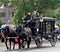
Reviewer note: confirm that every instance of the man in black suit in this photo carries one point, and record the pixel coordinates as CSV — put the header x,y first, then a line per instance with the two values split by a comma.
x,y
28,19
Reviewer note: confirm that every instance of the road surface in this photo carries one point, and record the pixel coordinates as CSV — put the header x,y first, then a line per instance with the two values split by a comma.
x,y
46,47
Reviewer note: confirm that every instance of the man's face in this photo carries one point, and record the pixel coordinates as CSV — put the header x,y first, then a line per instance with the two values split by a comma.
x,y
29,13
35,12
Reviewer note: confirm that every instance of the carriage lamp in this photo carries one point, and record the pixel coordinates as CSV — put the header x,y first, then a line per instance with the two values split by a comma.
x,y
41,20
37,29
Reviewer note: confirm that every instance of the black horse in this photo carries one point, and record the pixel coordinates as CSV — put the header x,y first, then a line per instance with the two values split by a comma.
x,y
20,32
10,35
24,33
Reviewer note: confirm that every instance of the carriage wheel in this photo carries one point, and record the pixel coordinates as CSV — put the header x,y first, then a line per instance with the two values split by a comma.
x,y
38,42
53,41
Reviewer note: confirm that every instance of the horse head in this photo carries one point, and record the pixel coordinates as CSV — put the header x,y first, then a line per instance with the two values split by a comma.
x,y
18,29
7,30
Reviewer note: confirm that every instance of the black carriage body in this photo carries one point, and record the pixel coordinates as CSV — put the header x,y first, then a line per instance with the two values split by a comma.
x,y
47,26
44,28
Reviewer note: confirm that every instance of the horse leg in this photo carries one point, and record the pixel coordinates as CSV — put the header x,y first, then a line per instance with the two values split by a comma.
x,y
19,43
10,43
6,43
13,43
28,42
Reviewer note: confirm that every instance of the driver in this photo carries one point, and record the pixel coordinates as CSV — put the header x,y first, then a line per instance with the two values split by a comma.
x,y
28,19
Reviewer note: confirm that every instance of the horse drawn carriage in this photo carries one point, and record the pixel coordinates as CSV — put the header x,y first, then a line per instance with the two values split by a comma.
x,y
45,29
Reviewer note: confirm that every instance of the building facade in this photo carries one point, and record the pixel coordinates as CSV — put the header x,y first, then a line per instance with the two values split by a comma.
x,y
6,14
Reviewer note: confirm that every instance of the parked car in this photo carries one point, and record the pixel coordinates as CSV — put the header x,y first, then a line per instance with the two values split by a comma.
x,y
58,37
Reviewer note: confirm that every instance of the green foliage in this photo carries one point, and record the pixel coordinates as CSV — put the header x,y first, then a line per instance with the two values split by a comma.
x,y
49,13
0,23
41,5
17,19
45,7
57,13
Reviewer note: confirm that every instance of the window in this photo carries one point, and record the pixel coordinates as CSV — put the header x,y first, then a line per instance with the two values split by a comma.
x,y
48,27
13,14
2,14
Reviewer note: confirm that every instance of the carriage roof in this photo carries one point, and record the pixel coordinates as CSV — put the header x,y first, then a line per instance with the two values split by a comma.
x,y
48,19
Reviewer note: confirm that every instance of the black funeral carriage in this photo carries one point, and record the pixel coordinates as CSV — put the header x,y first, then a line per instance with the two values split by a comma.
x,y
45,30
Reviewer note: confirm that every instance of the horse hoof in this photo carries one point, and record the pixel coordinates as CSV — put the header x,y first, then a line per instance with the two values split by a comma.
x,y
27,47
13,48
19,47
7,47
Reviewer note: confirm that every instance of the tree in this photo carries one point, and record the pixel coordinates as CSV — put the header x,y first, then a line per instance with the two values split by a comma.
x,y
44,7
16,19
57,14
0,23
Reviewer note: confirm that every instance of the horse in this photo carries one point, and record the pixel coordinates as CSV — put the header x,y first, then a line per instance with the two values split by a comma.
x,y
20,32
24,33
10,35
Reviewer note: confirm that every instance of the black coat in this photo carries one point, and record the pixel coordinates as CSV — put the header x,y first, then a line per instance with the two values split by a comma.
x,y
28,17
31,23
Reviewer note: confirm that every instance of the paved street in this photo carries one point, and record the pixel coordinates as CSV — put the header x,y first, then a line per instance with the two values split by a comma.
x,y
45,48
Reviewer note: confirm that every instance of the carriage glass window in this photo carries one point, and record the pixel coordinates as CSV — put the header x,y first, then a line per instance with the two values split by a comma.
x,y
48,27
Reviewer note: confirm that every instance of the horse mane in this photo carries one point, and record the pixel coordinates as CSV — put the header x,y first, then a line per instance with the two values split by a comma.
x,y
7,30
